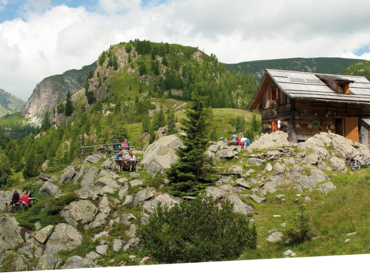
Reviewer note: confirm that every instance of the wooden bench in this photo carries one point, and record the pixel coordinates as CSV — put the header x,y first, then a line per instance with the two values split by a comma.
x,y
24,206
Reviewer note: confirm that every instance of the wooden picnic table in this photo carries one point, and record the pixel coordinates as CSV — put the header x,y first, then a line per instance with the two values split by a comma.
x,y
119,163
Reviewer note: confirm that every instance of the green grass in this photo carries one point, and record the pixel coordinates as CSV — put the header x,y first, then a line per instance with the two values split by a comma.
x,y
333,216
12,119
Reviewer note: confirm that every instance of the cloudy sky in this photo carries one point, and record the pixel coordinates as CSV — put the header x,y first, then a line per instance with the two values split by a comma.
x,y
40,38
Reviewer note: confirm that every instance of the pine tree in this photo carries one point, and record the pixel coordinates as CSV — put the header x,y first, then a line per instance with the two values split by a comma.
x,y
145,124
254,122
142,69
164,61
156,68
115,63
191,172
5,171
30,169
69,105
171,122
46,123
152,133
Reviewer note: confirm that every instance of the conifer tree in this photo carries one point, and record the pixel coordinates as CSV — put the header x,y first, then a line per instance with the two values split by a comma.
x,y
30,169
191,172
4,169
171,122
69,105
164,61
142,69
254,122
156,68
145,124
115,63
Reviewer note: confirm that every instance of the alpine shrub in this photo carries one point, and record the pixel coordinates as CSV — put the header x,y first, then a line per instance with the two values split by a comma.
x,y
197,231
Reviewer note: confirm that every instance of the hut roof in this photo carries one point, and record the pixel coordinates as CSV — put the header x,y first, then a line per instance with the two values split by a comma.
x,y
312,86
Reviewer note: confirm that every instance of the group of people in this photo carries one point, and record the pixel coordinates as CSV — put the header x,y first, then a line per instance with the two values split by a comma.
x,y
16,198
126,161
234,140
118,146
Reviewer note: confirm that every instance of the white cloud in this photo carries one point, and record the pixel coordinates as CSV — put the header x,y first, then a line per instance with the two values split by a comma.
x,y
52,41
3,3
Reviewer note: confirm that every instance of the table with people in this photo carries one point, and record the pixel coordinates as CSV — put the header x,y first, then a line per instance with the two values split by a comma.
x,y
243,142
17,200
125,161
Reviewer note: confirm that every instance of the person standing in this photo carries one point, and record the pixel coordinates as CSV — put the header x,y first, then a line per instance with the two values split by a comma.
x,y
14,200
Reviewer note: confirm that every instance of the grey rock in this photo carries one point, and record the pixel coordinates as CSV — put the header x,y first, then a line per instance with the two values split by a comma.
x,y
215,193
103,214
255,161
144,218
81,172
270,187
44,177
327,187
134,175
144,260
50,189
337,163
127,217
279,168
128,200
49,260
92,256
132,242
241,182
231,189
123,181
164,199
123,191
54,178
37,225
239,206
117,245
32,249
64,238
237,169
102,250
132,231
10,236
257,199
108,163
274,237
321,152
92,159
78,262
82,211
280,196
141,196
270,141
161,154
289,161
268,167
88,178
67,176
43,234
227,152
136,182
313,159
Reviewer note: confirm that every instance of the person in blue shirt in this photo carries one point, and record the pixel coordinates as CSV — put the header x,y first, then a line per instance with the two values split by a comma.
x,y
120,157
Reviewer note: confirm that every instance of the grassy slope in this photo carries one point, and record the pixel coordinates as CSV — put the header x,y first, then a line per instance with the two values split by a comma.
x,y
320,65
12,119
359,69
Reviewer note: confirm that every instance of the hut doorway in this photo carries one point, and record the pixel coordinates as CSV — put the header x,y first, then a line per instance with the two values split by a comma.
x,y
339,126
352,128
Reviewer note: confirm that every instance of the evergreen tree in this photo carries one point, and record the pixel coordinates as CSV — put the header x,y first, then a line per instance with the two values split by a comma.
x,y
164,61
69,105
115,63
254,122
5,171
145,124
46,123
171,122
142,69
191,172
30,169
102,58
152,134
156,68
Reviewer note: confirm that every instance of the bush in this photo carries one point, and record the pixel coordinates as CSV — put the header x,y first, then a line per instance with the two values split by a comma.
x,y
300,229
197,231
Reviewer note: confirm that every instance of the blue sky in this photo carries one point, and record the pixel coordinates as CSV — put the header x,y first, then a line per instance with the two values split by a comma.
x,y
40,38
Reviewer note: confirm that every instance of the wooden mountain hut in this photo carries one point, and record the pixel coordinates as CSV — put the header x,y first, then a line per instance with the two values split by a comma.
x,y
304,104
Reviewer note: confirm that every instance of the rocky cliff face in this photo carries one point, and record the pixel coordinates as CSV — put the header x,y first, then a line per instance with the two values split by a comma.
x,y
9,103
47,93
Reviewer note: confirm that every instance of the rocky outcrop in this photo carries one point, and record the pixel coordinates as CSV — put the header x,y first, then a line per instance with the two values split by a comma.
x,y
10,236
49,260
82,211
49,91
164,199
161,154
67,176
43,234
239,206
78,262
270,141
142,196
64,238
50,189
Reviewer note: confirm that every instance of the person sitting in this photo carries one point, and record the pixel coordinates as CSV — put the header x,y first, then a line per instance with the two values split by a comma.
x,y
116,145
26,196
119,157
125,144
234,139
14,200
132,160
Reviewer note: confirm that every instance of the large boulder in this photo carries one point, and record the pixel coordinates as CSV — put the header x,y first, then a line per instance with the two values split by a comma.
x,y
142,196
215,193
164,199
337,163
81,172
10,236
78,262
50,189
88,178
269,141
64,238
327,187
239,206
43,234
82,211
104,210
161,154
67,176
32,249
49,260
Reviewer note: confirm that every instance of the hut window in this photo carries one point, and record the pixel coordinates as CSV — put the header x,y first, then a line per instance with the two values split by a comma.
x,y
274,94
343,88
